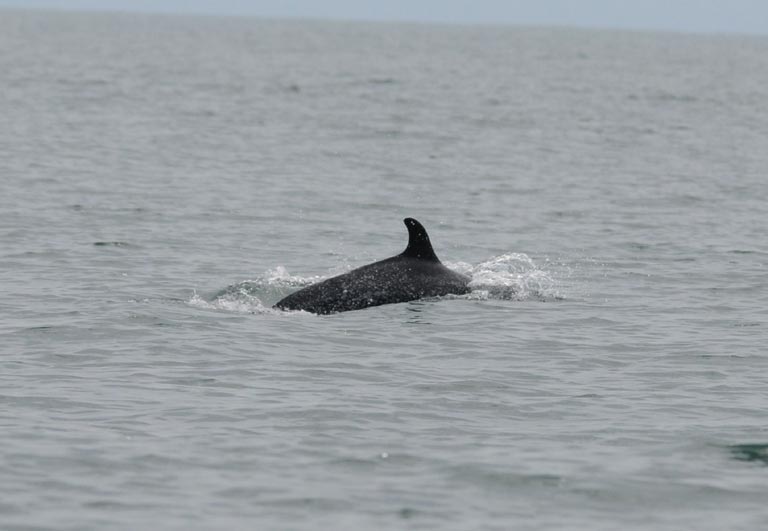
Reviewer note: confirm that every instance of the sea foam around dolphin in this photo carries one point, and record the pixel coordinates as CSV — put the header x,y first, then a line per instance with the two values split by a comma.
x,y
510,277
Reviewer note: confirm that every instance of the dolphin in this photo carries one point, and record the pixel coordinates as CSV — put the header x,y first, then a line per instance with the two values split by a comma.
x,y
411,275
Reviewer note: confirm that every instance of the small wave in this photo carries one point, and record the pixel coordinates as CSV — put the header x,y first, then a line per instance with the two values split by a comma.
x,y
112,244
752,452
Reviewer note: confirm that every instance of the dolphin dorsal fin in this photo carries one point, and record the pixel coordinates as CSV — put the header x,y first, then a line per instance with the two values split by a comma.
x,y
418,242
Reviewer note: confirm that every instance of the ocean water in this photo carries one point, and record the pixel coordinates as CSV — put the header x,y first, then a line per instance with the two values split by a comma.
x,y
165,179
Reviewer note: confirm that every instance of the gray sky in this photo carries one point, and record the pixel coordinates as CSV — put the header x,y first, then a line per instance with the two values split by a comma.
x,y
739,16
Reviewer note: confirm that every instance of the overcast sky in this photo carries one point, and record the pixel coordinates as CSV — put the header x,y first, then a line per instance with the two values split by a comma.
x,y
739,16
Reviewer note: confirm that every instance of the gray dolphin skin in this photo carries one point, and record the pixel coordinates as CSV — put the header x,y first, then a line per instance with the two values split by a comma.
x,y
413,274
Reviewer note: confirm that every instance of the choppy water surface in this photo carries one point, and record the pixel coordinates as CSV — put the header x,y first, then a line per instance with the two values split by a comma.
x,y
164,180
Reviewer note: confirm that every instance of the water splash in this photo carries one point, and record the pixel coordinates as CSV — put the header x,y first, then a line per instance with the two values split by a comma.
x,y
254,296
240,303
510,276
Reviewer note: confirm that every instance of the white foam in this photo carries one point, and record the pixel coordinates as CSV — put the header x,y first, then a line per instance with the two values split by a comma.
x,y
512,276
249,296
280,277
230,302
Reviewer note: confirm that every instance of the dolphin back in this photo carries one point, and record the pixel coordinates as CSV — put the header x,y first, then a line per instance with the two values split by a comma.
x,y
397,279
411,275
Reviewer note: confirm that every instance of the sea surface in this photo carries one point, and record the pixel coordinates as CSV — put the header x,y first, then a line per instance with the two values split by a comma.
x,y
164,180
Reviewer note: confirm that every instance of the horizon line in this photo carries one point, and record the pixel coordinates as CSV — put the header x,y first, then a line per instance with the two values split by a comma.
x,y
383,20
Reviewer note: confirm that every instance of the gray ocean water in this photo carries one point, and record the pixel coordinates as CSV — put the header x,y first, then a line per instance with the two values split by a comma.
x,y
164,180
